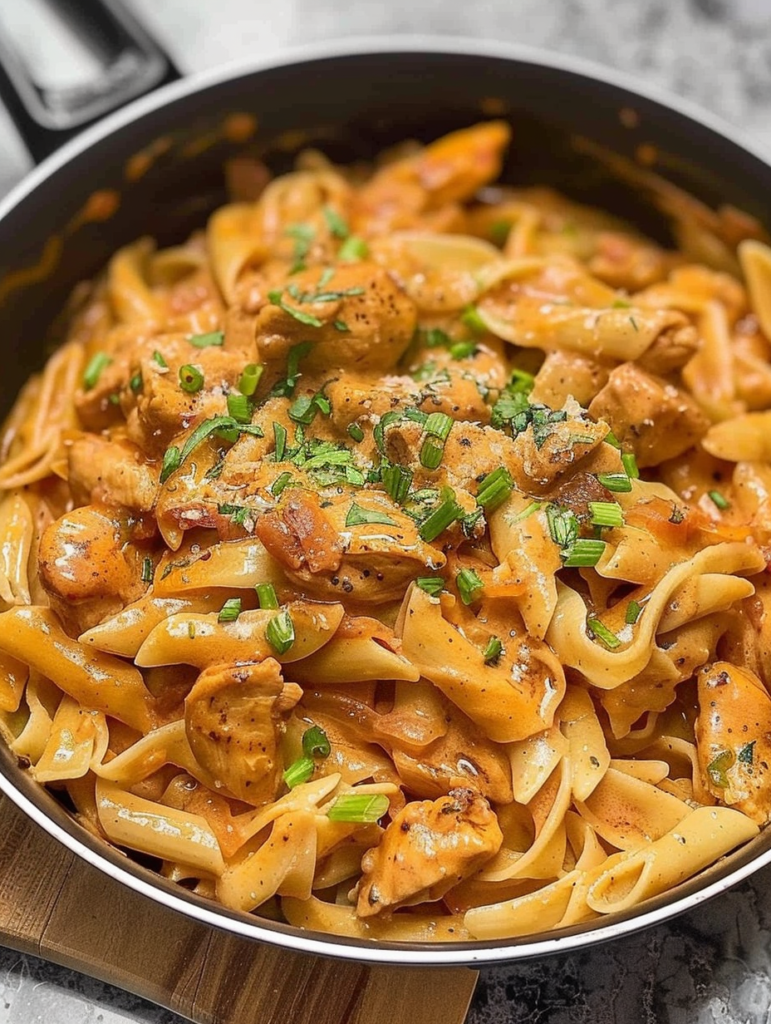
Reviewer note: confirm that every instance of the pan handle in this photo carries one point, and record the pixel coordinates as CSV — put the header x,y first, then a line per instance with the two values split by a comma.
x,y
130,64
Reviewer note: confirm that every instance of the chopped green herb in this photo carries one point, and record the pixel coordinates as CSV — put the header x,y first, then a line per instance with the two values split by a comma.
x,y
494,489
358,516
335,223
299,772
250,378
584,553
280,483
316,742
354,476
526,512
620,304
279,437
493,650
563,526
303,235
719,500
158,358
435,337
230,610
472,319
96,366
353,249
304,318
633,613
362,809
397,481
241,515
431,454
611,439
717,768
629,462
136,383
214,338
340,325
463,349
499,231
746,753
114,398
617,482
171,462
190,378
601,632
148,570
355,431
470,586
266,595
210,426
432,585
606,513
280,632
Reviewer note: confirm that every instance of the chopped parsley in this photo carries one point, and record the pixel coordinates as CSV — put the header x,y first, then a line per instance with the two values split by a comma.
x,y
358,516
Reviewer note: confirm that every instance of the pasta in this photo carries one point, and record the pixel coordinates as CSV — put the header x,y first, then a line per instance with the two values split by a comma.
x,y
390,558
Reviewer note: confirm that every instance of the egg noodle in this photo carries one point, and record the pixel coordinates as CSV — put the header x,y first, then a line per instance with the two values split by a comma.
x,y
390,558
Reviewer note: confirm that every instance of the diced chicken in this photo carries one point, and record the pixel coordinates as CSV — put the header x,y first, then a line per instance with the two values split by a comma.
x,y
429,847
356,318
113,472
88,566
234,719
733,739
653,417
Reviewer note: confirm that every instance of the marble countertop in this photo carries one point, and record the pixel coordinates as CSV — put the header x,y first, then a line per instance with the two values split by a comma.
x,y
712,966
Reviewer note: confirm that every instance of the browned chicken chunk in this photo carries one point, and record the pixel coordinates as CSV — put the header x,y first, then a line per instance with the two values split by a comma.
x,y
113,472
428,848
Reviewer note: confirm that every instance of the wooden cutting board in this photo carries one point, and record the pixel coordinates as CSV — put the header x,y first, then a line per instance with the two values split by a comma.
x,y
57,907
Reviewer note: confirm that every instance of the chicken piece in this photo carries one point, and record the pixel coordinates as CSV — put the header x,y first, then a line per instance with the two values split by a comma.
x,y
366,549
566,375
88,566
447,171
113,472
733,739
654,418
463,757
357,318
234,718
670,351
429,847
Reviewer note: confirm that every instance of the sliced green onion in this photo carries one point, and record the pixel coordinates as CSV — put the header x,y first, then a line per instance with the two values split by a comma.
x,y
717,768
250,378
443,516
353,249
617,482
279,436
335,223
521,381
171,462
473,320
316,742
611,439
230,610
190,378
606,513
280,632
341,325
436,338
719,500
432,585
431,454
355,431
136,383
148,570
493,650
397,481
438,424
463,349
299,772
469,585
629,462
322,403
304,318
584,553
266,595
114,398
280,483
303,410
494,489
563,525
239,514
633,613
601,631
158,358
362,809
358,516
213,339
240,408
96,365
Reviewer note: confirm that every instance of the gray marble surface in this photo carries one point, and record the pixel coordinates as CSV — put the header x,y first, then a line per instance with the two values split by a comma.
x,y
712,966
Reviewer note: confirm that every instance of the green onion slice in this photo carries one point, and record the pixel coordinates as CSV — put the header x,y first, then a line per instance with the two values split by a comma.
x,y
266,595
633,613
213,339
448,512
190,378
584,553
495,488
360,808
433,585
618,482
250,378
353,249
280,632
470,586
299,772
316,743
96,365
719,500
230,610
493,650
601,631
606,513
